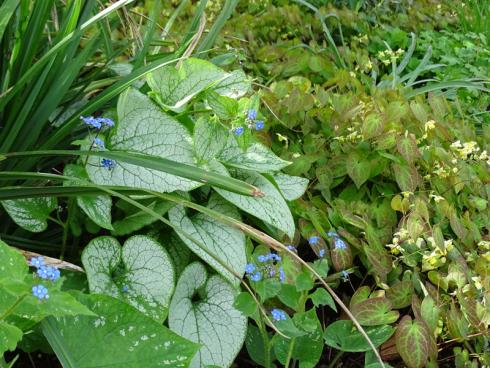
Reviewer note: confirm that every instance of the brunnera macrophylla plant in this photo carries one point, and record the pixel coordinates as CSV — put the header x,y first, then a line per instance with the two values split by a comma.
x,y
195,114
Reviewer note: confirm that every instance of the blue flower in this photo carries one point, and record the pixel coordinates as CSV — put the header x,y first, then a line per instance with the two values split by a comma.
x,y
332,234
282,274
263,258
92,122
37,261
42,272
107,122
125,289
53,273
98,143
339,244
274,256
108,164
278,315
256,276
238,131
313,240
292,248
345,275
259,125
251,114
321,253
40,292
249,268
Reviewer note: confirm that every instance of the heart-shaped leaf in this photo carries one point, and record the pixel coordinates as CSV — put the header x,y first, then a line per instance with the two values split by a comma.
x,y
412,342
400,294
140,273
119,336
271,208
211,320
223,241
10,335
30,213
144,128
374,312
344,336
358,168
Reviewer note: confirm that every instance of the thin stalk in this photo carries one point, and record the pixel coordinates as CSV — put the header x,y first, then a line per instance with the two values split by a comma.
x,y
9,311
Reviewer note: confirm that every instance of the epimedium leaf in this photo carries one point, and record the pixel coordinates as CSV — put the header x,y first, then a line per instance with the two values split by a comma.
x,y
400,294
175,86
96,207
291,187
140,273
14,266
412,342
144,128
374,312
257,157
209,139
211,320
223,241
271,208
358,169
118,336
407,147
30,214
140,219
10,335
344,336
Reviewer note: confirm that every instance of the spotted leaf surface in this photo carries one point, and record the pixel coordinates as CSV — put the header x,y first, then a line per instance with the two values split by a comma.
x,y
10,335
291,187
119,336
144,128
412,342
140,273
223,241
30,213
211,320
271,208
13,265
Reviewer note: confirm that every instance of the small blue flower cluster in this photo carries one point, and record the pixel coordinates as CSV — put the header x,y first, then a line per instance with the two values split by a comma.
x,y
278,314
108,164
251,123
268,268
337,242
97,123
315,240
98,143
46,273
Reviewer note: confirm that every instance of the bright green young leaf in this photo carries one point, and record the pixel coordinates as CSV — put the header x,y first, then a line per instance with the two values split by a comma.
x,y
289,296
175,87
322,297
245,304
140,219
254,343
430,313
291,187
344,336
144,128
222,241
413,342
14,265
118,336
96,207
202,311
271,208
209,139
374,312
257,157
400,294
140,273
358,168
30,213
9,337
267,288
224,107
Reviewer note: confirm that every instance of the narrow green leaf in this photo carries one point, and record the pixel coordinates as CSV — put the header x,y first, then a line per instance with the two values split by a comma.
x,y
6,11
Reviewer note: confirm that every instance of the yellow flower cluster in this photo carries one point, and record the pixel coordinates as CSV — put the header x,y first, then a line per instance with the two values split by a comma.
x,y
389,56
437,256
353,136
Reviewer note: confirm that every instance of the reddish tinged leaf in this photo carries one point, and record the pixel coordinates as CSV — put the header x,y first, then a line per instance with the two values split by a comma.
x,y
407,146
360,295
374,312
400,294
407,177
341,258
413,342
